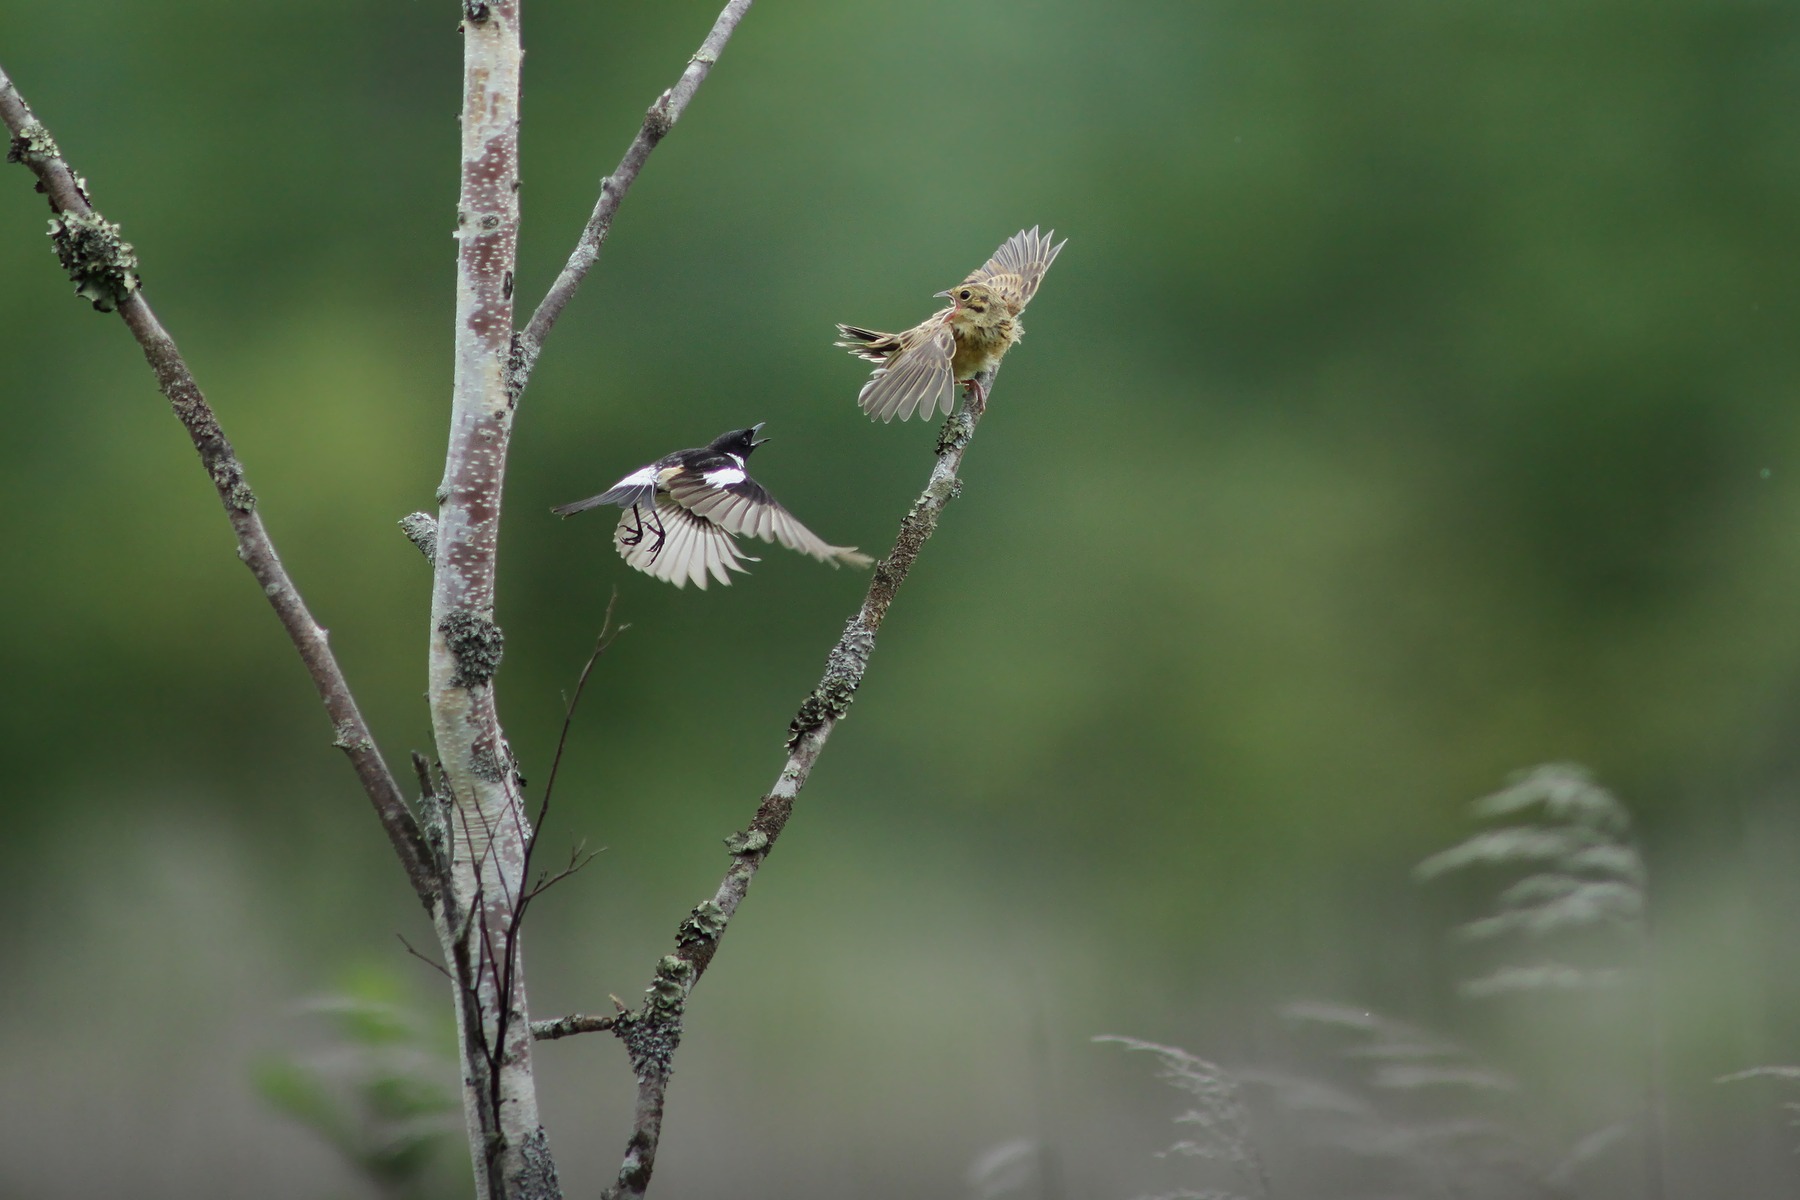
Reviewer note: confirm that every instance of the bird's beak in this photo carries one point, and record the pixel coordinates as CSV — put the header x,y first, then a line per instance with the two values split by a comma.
x,y
756,429
943,295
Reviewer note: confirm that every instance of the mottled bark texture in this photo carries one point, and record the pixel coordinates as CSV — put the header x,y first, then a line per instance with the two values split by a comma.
x,y
104,270
652,1032
489,836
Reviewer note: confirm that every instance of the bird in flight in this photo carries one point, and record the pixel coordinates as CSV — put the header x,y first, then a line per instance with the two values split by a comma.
x,y
918,370
684,511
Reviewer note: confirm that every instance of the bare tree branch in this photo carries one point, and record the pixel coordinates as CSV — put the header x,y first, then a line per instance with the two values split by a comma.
x,y
569,1026
652,1033
105,271
658,120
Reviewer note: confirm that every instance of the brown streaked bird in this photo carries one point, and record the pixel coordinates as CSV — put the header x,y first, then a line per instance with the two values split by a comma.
x,y
918,370
683,512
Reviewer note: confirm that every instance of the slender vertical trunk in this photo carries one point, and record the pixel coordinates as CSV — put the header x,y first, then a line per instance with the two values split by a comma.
x,y
486,835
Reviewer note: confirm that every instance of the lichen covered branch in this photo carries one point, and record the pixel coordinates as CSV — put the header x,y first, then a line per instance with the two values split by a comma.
x,y
652,1032
104,270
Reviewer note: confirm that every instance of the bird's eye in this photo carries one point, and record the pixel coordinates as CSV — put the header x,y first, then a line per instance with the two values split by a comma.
x,y
963,295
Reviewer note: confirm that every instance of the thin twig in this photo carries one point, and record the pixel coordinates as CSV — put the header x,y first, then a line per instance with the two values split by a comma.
x,y
652,1033
601,643
579,857
569,1026
658,120
430,962
114,284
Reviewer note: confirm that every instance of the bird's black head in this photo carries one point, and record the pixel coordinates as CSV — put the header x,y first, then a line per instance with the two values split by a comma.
x,y
739,441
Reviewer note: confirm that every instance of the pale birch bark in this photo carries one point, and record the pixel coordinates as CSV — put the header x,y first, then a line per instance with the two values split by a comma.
x,y
487,851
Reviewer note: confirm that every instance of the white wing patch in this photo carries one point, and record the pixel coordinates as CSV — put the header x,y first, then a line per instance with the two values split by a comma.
x,y
690,549
724,477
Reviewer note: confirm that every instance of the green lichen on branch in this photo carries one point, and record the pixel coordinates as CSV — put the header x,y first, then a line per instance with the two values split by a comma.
x,y
477,645
653,1034
32,145
704,924
101,264
750,841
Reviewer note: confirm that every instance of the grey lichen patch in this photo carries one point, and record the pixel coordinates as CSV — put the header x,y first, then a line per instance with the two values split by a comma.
x,y
476,643
844,669
704,924
956,431
100,262
486,765
228,477
349,741
32,145
751,841
420,529
651,1039
434,820
536,1177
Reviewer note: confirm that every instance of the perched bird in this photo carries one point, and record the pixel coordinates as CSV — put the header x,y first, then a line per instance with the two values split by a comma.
x,y
682,513
919,369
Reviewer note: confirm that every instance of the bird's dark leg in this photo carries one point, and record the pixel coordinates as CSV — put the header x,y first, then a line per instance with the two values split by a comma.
x,y
640,523
661,535
635,534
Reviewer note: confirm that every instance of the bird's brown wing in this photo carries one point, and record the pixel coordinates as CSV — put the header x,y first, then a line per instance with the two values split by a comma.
x,y
677,546
869,344
917,377
1018,266
746,507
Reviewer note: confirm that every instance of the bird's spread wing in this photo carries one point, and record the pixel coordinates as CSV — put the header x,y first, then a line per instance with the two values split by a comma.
x,y
677,546
635,488
745,507
1018,266
918,377
869,344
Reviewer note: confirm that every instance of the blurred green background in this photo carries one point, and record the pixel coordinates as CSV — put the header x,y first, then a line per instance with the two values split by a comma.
x,y
1414,402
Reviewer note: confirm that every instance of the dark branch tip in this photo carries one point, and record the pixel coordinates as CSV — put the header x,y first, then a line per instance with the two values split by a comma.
x,y
420,529
101,264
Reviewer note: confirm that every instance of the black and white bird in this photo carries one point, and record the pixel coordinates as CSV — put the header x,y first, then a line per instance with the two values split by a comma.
x,y
684,511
